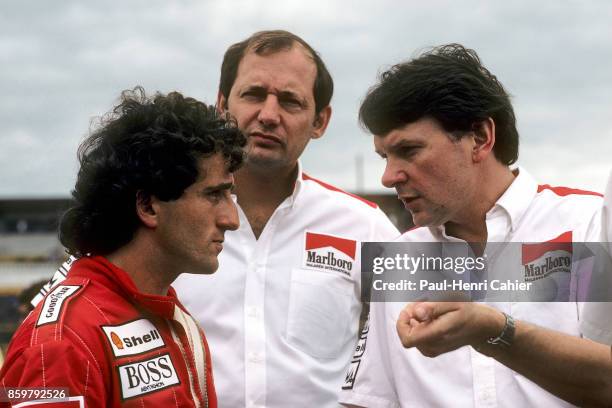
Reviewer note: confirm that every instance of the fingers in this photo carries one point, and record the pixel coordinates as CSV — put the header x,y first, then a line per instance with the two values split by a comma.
x,y
426,311
415,333
406,325
409,318
425,324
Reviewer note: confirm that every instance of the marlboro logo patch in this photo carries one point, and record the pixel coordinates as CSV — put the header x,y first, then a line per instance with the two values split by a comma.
x,y
329,252
542,259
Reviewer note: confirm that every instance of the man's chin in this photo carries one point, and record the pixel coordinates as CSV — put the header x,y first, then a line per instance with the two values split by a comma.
x,y
264,158
207,269
420,219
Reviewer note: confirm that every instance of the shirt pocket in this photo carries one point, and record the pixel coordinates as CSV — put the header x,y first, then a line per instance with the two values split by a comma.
x,y
319,315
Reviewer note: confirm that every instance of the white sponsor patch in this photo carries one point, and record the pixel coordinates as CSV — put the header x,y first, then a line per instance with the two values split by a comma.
x,y
548,264
322,251
360,349
52,308
351,374
147,376
132,338
546,258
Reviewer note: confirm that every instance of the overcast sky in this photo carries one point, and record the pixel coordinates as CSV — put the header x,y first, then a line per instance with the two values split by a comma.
x,y
62,63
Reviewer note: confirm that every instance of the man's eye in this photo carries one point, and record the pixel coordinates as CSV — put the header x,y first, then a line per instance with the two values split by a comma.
x,y
253,95
407,151
291,103
216,195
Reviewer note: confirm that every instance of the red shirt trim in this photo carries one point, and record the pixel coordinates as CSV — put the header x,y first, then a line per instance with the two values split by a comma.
x,y
332,188
565,191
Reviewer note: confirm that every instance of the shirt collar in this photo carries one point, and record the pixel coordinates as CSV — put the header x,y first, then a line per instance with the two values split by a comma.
x,y
101,269
299,186
514,202
518,197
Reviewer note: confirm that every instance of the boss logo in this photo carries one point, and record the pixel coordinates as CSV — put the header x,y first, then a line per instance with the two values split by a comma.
x,y
133,338
147,376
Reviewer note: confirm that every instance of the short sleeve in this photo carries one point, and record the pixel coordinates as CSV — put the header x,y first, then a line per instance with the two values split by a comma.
x,y
595,322
383,229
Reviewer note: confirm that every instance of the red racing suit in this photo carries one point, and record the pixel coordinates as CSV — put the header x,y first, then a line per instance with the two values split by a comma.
x,y
110,345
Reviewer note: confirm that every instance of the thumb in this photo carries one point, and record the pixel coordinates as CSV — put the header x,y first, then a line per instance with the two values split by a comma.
x,y
423,312
432,310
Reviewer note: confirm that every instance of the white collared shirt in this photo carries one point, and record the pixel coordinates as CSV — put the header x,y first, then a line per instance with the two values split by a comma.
x,y
387,375
281,313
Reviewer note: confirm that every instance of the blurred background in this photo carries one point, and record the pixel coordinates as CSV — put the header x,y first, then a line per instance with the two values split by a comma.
x,y
62,64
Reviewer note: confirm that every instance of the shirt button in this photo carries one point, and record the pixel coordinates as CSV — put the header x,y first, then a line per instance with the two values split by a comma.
x,y
253,312
254,357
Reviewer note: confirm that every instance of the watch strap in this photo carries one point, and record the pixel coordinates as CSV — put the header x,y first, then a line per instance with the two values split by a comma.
x,y
506,337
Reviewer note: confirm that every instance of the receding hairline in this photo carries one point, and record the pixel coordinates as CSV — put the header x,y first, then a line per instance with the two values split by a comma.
x,y
260,49
268,52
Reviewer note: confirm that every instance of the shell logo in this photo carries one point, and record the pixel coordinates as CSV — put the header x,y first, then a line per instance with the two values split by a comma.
x,y
116,341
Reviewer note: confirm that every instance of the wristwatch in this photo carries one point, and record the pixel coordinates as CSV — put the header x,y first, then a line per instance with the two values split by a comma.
x,y
506,337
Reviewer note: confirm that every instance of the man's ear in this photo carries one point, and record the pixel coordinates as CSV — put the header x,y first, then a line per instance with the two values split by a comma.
x,y
484,139
147,209
321,121
221,103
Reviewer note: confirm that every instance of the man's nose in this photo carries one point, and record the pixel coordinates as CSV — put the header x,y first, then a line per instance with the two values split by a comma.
x,y
393,175
269,114
228,219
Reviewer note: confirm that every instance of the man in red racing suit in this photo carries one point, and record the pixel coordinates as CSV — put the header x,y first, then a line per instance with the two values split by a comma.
x,y
140,348
152,200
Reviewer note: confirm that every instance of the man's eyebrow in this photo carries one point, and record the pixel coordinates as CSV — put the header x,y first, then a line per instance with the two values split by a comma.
x,y
288,94
255,87
401,144
218,187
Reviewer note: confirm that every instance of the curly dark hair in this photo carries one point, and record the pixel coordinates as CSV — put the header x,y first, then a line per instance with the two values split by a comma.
x,y
447,83
269,42
145,145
